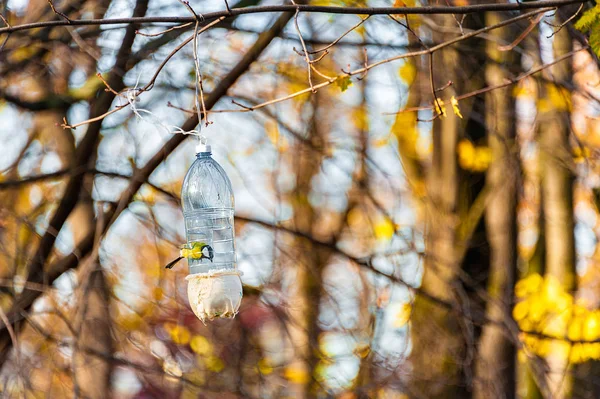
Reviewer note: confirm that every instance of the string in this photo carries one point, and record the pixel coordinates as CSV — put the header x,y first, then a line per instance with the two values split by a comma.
x,y
132,97
199,94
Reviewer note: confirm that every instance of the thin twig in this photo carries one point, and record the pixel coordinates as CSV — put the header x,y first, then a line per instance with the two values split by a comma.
x,y
559,27
170,105
108,88
197,17
150,84
306,56
333,43
444,87
162,32
242,105
523,35
5,21
65,125
366,64
4,42
58,12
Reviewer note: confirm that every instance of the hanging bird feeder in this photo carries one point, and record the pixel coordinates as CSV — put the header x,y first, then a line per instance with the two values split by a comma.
x,y
214,284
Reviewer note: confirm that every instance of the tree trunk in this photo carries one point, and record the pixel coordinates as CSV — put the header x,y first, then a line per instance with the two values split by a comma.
x,y
557,199
444,337
495,366
92,372
436,330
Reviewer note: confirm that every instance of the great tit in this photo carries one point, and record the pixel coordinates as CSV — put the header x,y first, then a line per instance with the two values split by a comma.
x,y
196,250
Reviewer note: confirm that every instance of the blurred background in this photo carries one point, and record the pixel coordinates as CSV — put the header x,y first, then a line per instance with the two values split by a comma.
x,y
416,212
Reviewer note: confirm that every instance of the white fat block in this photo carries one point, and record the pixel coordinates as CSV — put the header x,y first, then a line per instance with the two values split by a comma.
x,y
214,295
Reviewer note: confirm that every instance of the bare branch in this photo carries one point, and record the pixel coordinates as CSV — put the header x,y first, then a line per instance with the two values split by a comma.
x,y
470,9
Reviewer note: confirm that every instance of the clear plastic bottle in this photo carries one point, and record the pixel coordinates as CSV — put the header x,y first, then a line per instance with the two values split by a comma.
x,y
208,205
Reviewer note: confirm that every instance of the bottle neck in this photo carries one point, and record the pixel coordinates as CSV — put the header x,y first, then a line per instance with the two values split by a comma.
x,y
204,154
203,147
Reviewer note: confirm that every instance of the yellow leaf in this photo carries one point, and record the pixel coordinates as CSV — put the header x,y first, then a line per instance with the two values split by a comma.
x,y
403,315
483,157
384,229
296,375
362,351
520,310
408,72
214,364
382,142
201,345
522,91
466,154
279,141
552,287
574,332
439,107
577,353
593,350
405,130
264,366
89,88
591,326
413,19
454,103
360,118
556,99
543,347
179,334
473,158
581,153
537,309
24,52
131,322
344,83
528,285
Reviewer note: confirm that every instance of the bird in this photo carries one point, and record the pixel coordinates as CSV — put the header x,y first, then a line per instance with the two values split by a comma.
x,y
194,250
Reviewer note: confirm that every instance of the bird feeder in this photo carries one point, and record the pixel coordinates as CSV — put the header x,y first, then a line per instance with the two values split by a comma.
x,y
214,284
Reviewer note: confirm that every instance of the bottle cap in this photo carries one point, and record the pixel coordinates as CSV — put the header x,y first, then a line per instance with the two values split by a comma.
x,y
202,146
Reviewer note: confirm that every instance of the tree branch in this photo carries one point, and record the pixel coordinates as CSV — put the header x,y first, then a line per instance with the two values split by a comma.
x,y
470,9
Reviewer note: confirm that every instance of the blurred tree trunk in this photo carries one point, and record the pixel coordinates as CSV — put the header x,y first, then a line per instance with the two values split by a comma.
x,y
557,197
92,321
495,366
456,261
366,317
310,260
437,340
92,372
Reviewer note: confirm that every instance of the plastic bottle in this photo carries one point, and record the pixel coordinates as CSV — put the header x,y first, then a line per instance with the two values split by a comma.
x,y
214,285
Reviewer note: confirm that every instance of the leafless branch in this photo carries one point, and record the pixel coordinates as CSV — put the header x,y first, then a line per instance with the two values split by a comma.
x,y
470,9
559,27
